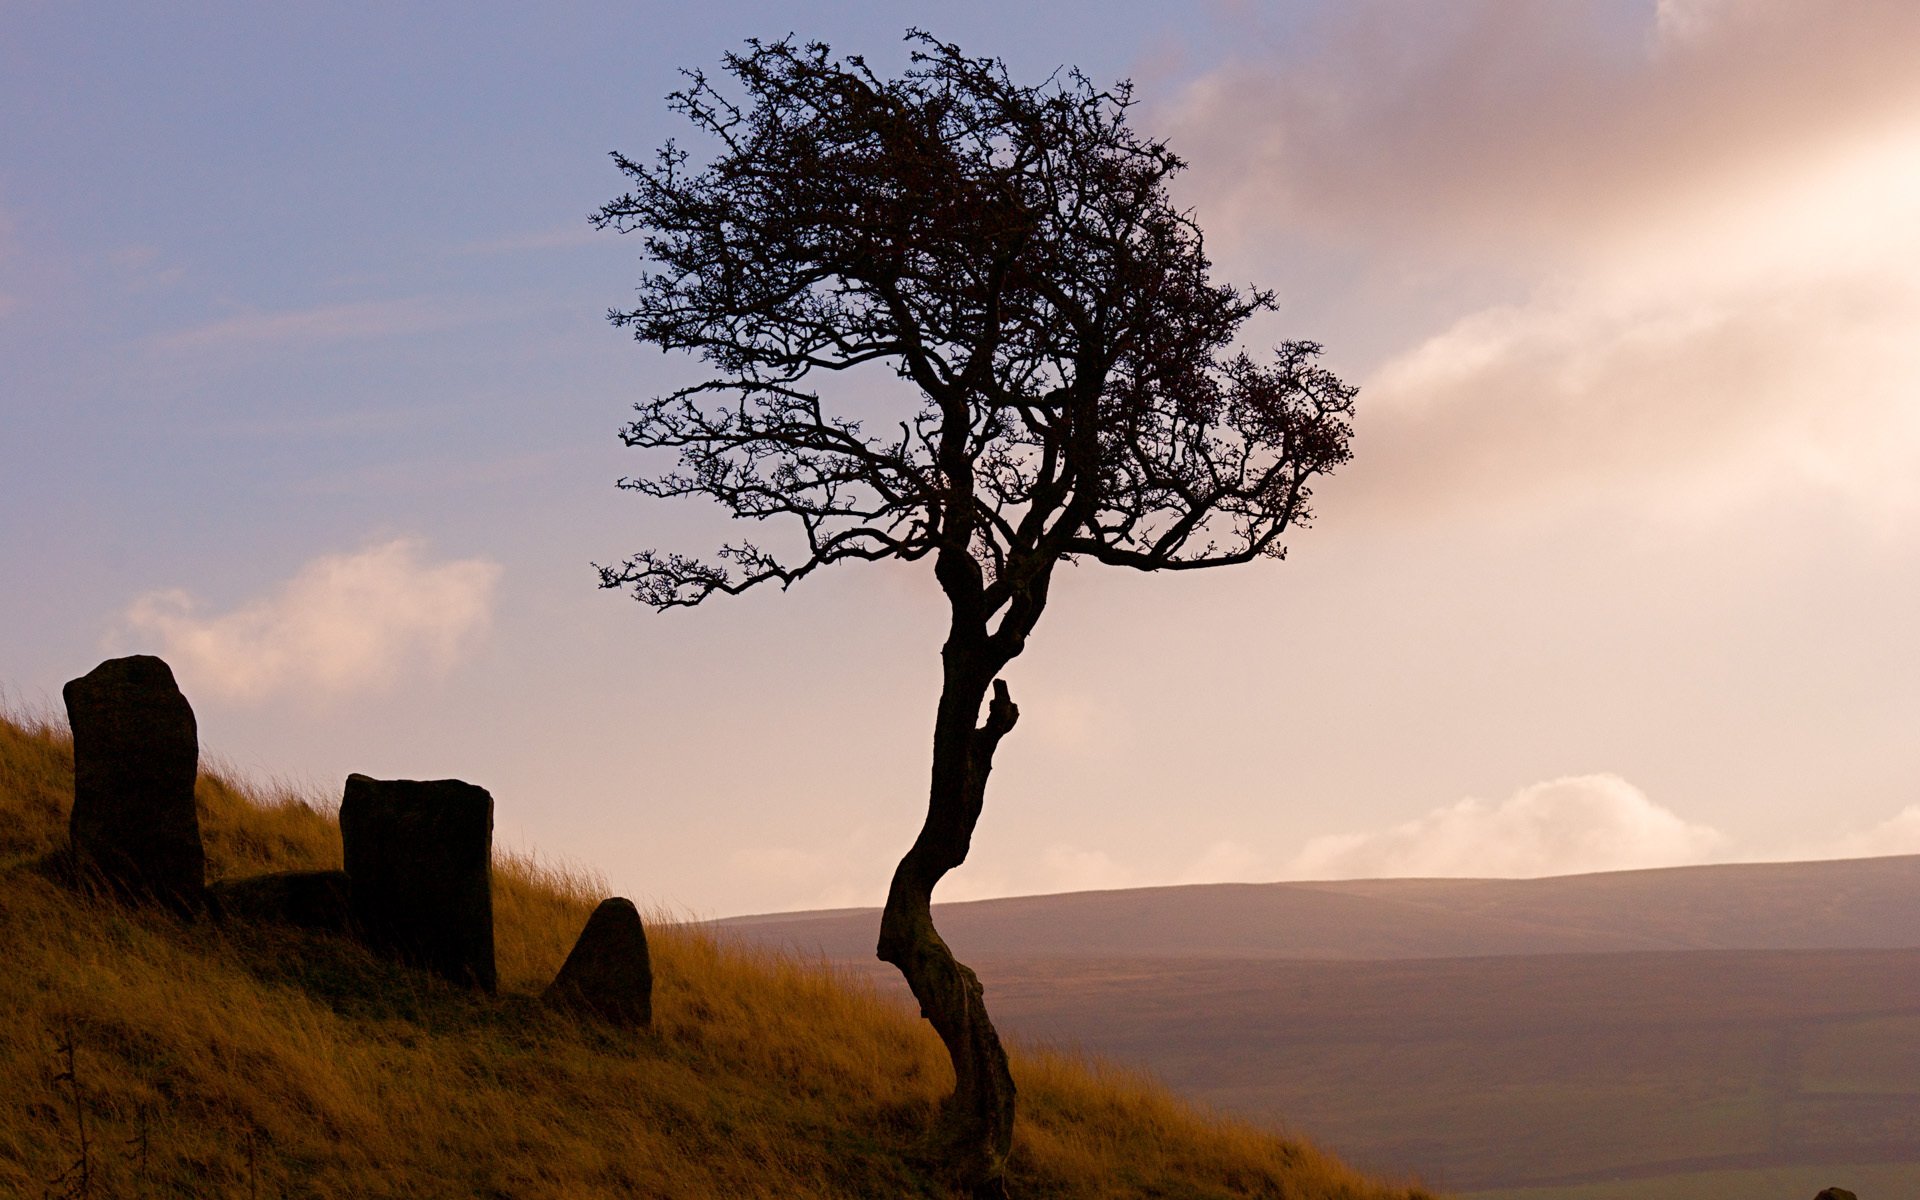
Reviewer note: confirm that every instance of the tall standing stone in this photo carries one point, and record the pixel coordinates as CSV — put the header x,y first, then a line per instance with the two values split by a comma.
x,y
608,974
418,859
136,751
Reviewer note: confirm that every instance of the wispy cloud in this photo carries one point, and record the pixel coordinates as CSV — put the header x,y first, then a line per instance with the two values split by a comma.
x,y
853,872
1559,827
1704,235
327,323
1066,867
1898,834
343,623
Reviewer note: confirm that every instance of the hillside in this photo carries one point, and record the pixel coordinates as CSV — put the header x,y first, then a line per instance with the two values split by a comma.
x,y
1853,904
236,1060
1699,1032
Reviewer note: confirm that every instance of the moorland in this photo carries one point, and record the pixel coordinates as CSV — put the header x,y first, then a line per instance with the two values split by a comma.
x,y
143,1055
1731,1031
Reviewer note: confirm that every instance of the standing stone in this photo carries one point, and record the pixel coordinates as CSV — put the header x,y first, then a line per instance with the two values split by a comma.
x,y
608,974
418,859
136,751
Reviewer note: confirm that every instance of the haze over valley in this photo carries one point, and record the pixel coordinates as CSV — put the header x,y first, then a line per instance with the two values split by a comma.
x,y
1688,1028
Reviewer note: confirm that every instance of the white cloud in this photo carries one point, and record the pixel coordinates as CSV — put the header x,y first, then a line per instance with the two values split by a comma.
x,y
1898,834
1758,345
343,623
1703,238
1560,827
1223,862
1065,867
1078,869
853,872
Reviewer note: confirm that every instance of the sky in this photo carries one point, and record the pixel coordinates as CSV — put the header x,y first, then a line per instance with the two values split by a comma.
x,y
306,384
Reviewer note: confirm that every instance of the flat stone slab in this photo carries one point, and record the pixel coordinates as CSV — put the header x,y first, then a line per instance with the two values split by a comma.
x,y
316,900
608,974
136,752
419,857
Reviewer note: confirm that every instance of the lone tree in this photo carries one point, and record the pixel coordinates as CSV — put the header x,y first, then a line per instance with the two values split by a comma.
x,y
1070,392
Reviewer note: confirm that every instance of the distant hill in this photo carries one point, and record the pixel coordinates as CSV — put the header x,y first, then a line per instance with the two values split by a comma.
x,y
1523,1070
1697,1032
1850,904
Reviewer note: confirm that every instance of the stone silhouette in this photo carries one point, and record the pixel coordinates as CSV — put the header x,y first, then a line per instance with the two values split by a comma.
x,y
418,859
136,751
317,900
608,973
1836,1194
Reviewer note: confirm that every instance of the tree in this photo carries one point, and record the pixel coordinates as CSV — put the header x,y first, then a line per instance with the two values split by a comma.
x,y
1011,253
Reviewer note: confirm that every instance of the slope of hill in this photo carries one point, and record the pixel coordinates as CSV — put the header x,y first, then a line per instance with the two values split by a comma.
x,y
1682,1031
170,1059
1863,904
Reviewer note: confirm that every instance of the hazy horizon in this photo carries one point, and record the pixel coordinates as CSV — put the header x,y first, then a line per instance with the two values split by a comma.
x,y
309,389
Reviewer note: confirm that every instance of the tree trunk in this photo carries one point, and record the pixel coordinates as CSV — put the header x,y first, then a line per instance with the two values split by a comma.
x,y
976,1122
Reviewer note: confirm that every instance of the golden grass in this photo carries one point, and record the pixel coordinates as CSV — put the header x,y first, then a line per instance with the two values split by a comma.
x,y
252,1061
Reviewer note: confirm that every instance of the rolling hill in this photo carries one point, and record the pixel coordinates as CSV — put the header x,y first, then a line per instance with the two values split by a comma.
x,y
1693,1032
1851,904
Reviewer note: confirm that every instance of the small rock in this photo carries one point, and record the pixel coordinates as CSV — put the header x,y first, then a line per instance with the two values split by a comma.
x,y
1836,1194
316,900
419,856
608,974
136,751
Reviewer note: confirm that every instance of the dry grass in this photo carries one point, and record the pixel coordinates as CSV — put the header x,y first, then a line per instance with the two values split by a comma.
x,y
251,1061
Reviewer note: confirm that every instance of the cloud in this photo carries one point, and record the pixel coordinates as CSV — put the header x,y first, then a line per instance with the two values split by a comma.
x,y
1898,834
325,323
1223,862
1700,230
343,623
1078,869
1681,398
1533,128
853,872
1563,826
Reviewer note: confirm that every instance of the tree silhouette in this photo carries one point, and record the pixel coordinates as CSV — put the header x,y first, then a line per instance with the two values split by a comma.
x,y
1070,392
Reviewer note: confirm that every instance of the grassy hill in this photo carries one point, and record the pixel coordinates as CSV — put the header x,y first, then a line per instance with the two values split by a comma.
x,y
252,1061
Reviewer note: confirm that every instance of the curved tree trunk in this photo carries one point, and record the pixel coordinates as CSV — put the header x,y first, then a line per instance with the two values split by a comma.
x,y
976,1122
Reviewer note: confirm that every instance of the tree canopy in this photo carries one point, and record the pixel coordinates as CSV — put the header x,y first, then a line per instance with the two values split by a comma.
x,y
1013,253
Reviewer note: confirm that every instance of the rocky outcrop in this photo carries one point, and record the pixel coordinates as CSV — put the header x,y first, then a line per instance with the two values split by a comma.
x,y
418,859
608,974
136,751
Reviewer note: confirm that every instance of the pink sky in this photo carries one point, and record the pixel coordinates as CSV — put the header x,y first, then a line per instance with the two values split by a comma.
x,y
310,391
